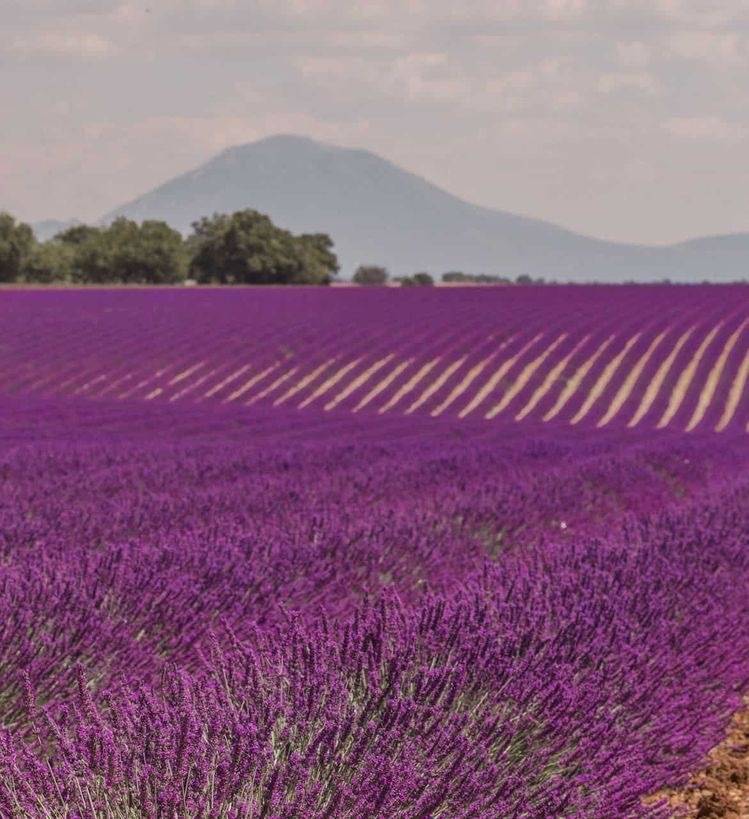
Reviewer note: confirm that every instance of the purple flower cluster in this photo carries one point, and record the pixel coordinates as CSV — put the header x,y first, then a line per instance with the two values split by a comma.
x,y
279,614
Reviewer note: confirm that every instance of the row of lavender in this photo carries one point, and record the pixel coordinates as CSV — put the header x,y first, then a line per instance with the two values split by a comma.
x,y
660,357
277,614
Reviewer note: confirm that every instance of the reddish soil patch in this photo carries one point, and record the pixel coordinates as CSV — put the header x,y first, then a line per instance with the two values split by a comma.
x,y
721,788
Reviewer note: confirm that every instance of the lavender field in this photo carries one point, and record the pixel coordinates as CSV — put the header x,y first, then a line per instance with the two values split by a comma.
x,y
369,553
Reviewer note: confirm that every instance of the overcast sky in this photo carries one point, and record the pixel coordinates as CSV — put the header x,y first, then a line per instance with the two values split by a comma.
x,y
618,118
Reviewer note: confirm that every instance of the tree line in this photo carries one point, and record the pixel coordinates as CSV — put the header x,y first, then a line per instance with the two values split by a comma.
x,y
240,248
245,247
374,275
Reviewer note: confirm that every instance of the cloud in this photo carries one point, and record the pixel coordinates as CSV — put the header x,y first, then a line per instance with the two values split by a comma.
x,y
627,80
679,14
713,129
60,8
62,44
210,134
635,54
415,76
721,48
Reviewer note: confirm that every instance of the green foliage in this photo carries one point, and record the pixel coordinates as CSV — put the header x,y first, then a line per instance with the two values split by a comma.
x,y
92,256
320,261
456,277
247,248
419,280
78,234
16,243
241,248
50,262
371,275
150,253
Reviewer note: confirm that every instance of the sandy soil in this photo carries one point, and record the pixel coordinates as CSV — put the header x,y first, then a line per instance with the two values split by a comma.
x,y
721,788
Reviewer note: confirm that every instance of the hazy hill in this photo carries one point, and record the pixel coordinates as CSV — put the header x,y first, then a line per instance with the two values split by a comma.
x,y
378,212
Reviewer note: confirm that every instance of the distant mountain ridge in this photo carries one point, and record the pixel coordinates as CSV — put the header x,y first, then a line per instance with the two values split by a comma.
x,y
379,213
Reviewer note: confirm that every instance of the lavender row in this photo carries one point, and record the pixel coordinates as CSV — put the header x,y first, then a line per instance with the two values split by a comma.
x,y
589,356
279,614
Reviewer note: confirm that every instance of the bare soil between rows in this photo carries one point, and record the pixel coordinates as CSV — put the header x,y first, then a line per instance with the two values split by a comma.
x,y
721,789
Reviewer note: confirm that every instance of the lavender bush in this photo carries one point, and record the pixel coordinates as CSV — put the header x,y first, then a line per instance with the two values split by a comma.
x,y
215,610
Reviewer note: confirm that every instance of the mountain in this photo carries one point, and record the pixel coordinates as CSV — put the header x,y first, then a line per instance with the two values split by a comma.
x,y
379,213
49,228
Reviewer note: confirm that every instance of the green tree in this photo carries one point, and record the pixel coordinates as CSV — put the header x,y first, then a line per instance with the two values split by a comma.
x,y
247,248
202,247
149,253
371,275
92,254
423,280
454,276
93,257
16,243
78,234
49,262
244,248
320,262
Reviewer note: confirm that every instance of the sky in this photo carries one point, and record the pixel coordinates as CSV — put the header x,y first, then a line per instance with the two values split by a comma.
x,y
622,119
